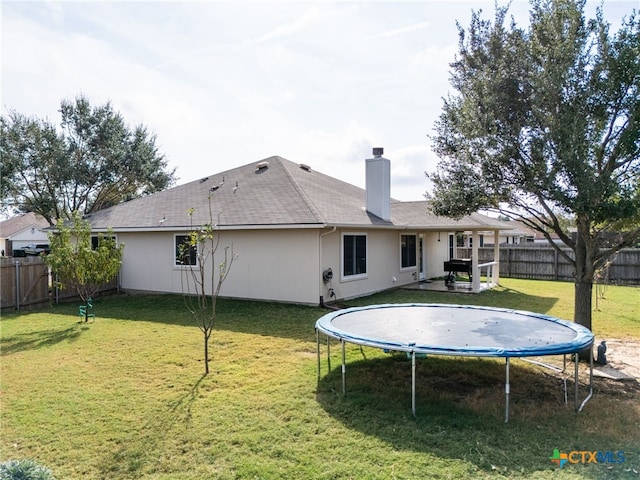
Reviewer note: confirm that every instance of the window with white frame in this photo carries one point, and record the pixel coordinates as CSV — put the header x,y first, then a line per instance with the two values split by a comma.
x,y
354,255
408,245
185,253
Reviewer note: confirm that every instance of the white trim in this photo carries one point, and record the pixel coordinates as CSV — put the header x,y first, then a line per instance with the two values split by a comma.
x,y
422,257
318,226
190,228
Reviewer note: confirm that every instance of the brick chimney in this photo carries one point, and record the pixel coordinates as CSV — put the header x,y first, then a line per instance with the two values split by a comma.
x,y
378,184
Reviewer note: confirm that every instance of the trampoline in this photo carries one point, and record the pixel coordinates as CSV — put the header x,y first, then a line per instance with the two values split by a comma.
x,y
457,330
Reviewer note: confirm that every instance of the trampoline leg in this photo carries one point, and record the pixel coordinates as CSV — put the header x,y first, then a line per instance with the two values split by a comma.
x,y
576,361
506,392
590,380
413,383
344,370
318,349
329,354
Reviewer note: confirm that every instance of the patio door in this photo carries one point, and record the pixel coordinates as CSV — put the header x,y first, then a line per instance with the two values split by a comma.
x,y
452,248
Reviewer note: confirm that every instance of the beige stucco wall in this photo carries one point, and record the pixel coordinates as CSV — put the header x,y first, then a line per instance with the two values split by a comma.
x,y
437,253
383,263
282,265
279,265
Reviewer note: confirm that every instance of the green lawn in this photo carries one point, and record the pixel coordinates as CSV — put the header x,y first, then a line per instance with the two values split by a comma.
x,y
125,397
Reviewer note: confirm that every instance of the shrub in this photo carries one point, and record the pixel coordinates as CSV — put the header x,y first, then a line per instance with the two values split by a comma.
x,y
24,470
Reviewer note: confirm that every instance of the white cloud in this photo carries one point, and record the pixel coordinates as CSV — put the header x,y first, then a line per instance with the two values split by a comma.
x,y
295,26
223,84
403,30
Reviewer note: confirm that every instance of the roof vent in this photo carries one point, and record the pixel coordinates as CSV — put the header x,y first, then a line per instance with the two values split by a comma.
x,y
262,166
305,167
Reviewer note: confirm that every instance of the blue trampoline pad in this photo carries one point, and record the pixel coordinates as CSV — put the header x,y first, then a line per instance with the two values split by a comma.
x,y
456,330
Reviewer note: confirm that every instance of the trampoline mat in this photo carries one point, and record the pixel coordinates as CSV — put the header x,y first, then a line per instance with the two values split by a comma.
x,y
456,330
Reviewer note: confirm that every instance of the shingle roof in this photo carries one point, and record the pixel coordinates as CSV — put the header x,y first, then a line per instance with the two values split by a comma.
x,y
283,193
19,223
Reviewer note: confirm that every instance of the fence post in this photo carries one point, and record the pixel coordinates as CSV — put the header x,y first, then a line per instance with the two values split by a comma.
x,y
18,285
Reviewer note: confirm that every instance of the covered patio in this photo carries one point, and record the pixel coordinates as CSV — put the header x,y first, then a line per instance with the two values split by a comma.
x,y
474,277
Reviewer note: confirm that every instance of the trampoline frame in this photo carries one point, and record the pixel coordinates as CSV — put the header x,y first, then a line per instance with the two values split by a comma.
x,y
411,350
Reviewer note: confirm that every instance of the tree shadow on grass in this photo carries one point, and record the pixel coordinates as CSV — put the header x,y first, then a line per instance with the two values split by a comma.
x,y
39,339
181,407
498,297
242,316
133,456
460,412
283,320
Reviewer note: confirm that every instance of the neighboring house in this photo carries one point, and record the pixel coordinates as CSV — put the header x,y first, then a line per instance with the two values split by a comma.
x,y
520,234
20,231
514,233
289,224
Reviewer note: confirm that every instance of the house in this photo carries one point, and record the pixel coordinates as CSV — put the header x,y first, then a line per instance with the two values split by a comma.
x,y
519,234
20,231
301,236
514,232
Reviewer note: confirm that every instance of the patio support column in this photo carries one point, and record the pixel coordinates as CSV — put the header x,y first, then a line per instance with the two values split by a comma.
x,y
475,284
496,257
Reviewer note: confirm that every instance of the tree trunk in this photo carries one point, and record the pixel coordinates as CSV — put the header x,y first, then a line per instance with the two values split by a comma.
x,y
583,299
206,354
583,280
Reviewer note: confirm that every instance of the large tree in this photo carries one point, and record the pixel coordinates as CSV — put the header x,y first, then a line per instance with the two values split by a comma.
x,y
544,124
92,161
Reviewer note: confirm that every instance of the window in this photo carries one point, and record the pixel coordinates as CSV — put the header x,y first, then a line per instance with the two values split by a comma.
x,y
185,253
95,241
407,251
354,255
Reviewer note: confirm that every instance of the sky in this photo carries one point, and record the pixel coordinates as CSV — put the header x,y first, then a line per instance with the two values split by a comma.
x,y
227,83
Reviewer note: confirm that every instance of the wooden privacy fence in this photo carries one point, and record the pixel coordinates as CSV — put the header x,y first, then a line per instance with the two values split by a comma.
x,y
26,283
545,263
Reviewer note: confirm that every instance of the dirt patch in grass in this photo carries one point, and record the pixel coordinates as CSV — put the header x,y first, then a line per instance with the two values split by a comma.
x,y
624,356
619,378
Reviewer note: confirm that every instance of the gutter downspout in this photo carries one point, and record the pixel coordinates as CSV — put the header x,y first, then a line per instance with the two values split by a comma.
x,y
333,230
